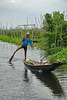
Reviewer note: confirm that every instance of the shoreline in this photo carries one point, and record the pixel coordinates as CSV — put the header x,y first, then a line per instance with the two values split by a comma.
x,y
61,55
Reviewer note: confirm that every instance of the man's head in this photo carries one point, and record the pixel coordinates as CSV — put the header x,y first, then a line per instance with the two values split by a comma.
x,y
27,34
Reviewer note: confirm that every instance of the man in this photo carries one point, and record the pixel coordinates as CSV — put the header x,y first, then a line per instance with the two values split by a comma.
x,y
24,45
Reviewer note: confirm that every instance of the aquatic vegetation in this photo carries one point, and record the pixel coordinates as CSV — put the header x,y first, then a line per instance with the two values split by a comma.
x,y
61,55
29,62
8,39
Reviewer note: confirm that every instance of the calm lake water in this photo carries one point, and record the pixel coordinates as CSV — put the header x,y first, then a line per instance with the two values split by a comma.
x,y
16,83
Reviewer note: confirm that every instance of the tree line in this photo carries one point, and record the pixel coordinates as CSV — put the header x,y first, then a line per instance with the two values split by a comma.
x,y
56,25
53,32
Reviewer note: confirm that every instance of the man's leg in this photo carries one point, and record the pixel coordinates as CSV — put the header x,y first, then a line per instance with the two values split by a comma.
x,y
14,54
17,50
25,51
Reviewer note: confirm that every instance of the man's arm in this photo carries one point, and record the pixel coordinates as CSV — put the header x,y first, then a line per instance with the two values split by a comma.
x,y
31,43
21,42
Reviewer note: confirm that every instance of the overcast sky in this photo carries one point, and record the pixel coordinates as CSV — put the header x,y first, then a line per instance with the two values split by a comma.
x,y
17,11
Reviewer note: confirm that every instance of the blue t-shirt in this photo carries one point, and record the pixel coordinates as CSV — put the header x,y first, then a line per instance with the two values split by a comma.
x,y
25,42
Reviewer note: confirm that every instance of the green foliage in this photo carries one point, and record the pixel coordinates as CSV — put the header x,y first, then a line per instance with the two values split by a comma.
x,y
29,62
54,50
48,22
64,28
56,17
61,55
48,39
10,40
15,36
57,29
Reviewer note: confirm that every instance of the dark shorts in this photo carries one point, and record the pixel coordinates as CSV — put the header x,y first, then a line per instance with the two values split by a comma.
x,y
25,48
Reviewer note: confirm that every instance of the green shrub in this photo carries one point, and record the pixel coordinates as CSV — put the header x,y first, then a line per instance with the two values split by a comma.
x,y
61,55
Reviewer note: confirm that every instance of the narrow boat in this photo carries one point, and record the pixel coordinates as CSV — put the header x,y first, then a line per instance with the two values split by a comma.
x,y
41,66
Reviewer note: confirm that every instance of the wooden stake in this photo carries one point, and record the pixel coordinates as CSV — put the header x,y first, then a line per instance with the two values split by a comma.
x,y
6,28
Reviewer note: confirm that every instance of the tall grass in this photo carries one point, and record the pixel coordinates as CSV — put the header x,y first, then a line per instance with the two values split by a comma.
x,y
8,39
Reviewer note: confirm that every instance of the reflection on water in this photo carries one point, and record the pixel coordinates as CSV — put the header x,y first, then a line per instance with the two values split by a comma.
x,y
43,54
51,81
26,79
11,64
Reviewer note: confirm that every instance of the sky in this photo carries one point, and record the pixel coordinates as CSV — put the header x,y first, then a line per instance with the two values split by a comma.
x,y
18,12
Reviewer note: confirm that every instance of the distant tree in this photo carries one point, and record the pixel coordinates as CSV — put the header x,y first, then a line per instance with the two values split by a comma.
x,y
61,22
48,22
56,23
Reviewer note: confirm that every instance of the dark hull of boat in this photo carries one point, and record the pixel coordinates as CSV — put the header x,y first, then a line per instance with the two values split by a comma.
x,y
50,67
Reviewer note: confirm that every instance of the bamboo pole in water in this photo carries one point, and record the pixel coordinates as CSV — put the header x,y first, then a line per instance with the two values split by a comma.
x,y
17,32
3,30
11,30
25,26
14,33
1,27
6,28
32,34
41,18
39,23
20,29
36,22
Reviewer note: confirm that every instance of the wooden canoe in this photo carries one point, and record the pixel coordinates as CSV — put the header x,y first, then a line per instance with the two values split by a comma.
x,y
43,67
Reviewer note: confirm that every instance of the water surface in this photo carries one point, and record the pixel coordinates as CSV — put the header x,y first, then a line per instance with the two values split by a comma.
x,y
16,83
